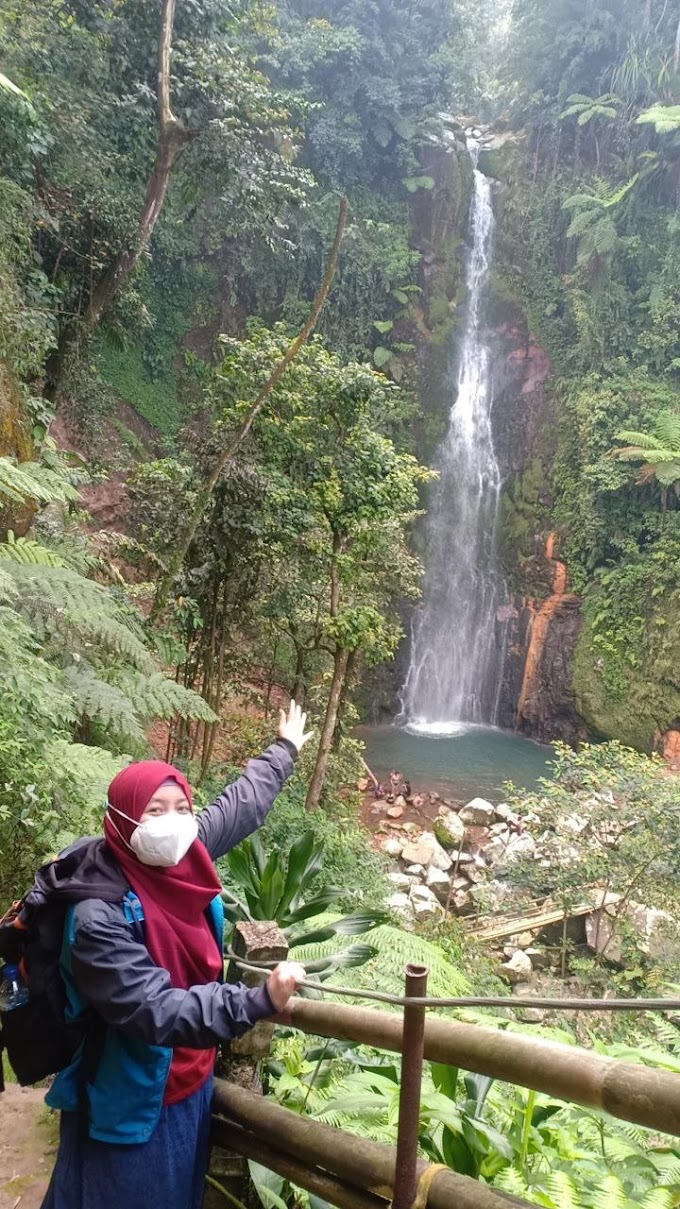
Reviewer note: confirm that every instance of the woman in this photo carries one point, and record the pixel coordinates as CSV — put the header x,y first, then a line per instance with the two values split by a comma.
x,y
142,962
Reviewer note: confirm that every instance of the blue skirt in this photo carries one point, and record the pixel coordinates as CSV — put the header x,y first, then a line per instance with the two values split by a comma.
x,y
167,1172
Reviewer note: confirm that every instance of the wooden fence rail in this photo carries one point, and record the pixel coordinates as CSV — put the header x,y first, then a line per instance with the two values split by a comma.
x,y
359,1173
356,1173
641,1094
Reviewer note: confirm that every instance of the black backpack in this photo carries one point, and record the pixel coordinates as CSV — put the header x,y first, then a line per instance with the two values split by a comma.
x,y
35,1035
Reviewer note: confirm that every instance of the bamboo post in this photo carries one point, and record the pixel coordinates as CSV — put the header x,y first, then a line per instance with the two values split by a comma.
x,y
405,1180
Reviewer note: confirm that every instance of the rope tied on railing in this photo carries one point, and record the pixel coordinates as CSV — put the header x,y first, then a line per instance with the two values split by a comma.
x,y
425,1183
474,1001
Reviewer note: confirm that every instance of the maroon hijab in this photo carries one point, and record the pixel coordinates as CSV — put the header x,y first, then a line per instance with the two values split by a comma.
x,y
175,901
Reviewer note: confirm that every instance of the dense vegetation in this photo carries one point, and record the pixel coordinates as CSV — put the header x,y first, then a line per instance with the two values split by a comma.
x,y
226,533
591,237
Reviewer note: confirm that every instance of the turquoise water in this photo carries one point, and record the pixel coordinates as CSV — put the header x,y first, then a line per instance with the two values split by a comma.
x,y
460,762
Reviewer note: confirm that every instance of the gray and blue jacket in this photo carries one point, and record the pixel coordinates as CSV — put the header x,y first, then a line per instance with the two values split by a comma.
x,y
108,970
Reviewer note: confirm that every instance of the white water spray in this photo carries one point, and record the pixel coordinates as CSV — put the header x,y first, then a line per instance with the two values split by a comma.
x,y
457,646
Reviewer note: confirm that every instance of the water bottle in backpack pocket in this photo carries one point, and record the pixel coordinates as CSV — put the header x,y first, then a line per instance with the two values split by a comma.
x,y
13,991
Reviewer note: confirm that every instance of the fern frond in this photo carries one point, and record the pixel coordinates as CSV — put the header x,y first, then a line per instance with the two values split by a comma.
x,y
103,703
156,696
610,1194
64,601
637,440
394,948
26,550
664,118
82,776
33,483
563,1189
667,430
510,1180
658,1198
581,223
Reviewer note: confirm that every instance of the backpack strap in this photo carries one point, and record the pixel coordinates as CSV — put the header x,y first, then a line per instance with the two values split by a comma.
x,y
134,913
96,1033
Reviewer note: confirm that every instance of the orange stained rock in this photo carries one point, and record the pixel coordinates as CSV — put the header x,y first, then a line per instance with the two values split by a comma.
x,y
541,625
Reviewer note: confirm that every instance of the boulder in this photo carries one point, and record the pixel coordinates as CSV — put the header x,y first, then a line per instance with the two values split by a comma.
x,y
519,847
506,814
425,909
478,812
540,960
532,1015
462,902
399,902
400,800
518,968
461,858
496,849
400,881
499,829
415,853
522,940
415,871
395,812
427,851
392,846
654,932
420,893
460,883
575,823
438,881
449,829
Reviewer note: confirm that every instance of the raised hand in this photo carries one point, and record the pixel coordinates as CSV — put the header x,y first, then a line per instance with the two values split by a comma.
x,y
292,726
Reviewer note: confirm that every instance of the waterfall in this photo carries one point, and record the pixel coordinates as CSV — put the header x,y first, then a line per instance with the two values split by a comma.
x,y
457,646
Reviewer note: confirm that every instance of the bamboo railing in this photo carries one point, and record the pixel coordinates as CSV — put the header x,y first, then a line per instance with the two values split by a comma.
x,y
353,1172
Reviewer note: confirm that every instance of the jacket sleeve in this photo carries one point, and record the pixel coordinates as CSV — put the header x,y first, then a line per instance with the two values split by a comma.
x,y
243,806
116,976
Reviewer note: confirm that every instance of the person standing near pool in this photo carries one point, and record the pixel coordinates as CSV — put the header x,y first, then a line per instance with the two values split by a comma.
x,y
142,962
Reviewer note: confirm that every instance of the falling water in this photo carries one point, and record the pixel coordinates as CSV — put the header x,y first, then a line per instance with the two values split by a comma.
x,y
457,645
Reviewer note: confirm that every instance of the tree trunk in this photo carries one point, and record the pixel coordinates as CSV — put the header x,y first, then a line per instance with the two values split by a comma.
x,y
205,492
342,704
328,729
172,137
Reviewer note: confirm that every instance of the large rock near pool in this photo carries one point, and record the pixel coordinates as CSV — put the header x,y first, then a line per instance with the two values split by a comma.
x,y
450,829
427,851
478,813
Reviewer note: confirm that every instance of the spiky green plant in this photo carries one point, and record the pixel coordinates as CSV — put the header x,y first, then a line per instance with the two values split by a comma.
x,y
658,450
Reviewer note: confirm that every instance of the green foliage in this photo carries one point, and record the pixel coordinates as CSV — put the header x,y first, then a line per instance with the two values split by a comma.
x,y
81,683
659,450
586,108
275,886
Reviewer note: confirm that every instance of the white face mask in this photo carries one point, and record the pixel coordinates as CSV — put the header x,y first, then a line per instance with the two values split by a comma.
x,y
163,840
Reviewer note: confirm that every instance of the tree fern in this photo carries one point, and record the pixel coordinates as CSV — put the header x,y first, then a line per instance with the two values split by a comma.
x,y
64,601
586,108
386,970
664,118
156,696
103,703
33,483
26,550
